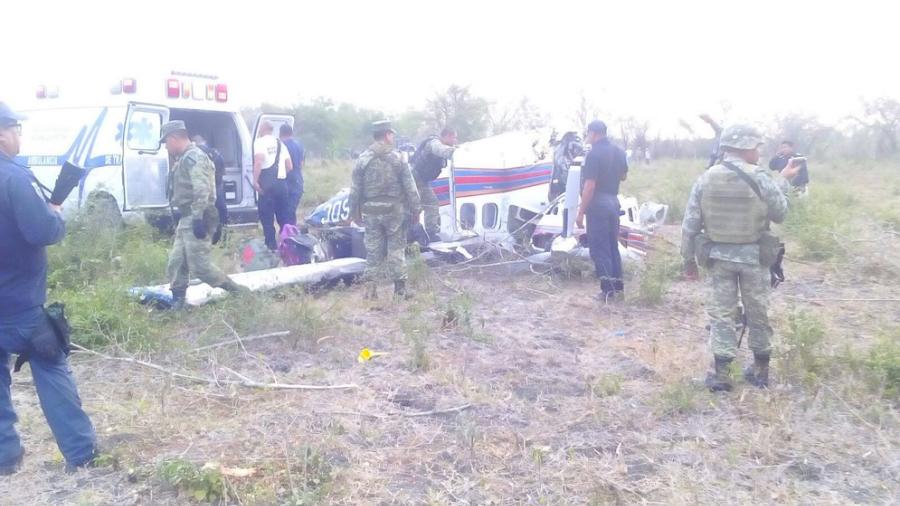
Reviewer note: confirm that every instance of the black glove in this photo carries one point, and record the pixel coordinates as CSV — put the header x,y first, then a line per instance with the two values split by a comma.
x,y
217,235
199,228
69,177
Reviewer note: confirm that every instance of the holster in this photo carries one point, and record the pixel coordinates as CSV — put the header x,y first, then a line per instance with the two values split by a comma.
x,y
770,248
52,335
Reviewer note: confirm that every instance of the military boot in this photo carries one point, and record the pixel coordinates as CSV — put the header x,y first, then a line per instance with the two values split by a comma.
x,y
758,374
178,298
231,286
720,380
400,290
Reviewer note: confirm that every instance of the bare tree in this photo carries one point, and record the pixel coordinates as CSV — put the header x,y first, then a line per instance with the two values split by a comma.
x,y
634,134
881,116
470,115
586,111
523,116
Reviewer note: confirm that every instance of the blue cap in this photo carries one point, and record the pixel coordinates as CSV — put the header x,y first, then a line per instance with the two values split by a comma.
x,y
597,126
8,116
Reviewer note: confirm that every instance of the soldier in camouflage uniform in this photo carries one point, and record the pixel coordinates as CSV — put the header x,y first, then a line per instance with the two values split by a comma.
x,y
430,158
725,226
192,193
383,198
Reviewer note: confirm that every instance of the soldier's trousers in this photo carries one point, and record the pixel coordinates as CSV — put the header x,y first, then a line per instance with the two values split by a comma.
x,y
432,210
727,281
191,257
385,246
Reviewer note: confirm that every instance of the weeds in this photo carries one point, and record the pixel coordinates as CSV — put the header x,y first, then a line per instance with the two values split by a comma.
x,y
458,315
820,223
608,385
880,366
200,483
802,357
678,399
314,476
416,330
659,270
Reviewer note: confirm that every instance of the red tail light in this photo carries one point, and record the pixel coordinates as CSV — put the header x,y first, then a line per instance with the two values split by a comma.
x,y
173,88
221,93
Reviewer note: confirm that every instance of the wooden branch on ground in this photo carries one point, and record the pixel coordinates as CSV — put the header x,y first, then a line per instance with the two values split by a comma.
x,y
438,411
457,409
218,382
243,340
840,300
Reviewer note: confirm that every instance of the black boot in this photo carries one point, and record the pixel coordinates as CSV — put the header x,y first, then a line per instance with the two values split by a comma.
x,y
400,290
720,380
758,374
178,298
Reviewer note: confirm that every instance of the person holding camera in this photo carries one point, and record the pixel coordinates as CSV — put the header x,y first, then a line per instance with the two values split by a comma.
x,y
783,157
29,222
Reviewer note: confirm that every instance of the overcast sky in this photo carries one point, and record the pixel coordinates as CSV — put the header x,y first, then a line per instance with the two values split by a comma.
x,y
660,60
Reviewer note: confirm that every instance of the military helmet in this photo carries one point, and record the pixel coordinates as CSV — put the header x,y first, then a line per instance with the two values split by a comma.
x,y
741,136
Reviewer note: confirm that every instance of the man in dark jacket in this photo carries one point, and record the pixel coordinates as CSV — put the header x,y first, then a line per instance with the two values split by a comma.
x,y
28,224
786,153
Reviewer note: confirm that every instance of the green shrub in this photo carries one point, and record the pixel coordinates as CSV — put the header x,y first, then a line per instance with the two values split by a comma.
x,y
659,270
204,484
802,356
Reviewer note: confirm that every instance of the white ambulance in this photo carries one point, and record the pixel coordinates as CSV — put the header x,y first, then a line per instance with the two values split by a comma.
x,y
113,132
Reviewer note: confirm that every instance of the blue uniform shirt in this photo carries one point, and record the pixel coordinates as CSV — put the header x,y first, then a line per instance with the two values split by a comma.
x,y
295,177
605,163
27,227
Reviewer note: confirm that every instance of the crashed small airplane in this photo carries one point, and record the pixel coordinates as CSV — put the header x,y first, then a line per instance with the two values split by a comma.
x,y
516,191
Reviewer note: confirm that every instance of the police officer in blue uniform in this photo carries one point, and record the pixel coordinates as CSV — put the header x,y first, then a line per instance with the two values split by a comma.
x,y
28,224
605,166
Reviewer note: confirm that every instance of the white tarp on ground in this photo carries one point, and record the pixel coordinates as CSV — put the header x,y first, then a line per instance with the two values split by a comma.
x,y
307,274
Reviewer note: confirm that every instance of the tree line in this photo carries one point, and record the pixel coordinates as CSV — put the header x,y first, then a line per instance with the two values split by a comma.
x,y
331,129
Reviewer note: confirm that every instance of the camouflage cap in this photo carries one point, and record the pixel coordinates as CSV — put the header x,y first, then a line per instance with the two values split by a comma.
x,y
382,126
172,127
741,136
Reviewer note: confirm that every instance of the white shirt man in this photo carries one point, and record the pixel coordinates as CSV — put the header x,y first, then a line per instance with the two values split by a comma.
x,y
267,146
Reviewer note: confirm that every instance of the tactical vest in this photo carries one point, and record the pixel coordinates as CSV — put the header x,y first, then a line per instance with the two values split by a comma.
x,y
426,165
732,213
382,190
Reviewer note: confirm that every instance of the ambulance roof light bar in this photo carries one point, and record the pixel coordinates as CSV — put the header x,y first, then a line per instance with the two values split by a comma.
x,y
43,92
195,75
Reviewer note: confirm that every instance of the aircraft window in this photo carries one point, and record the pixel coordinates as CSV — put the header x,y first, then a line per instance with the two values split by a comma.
x,y
467,216
489,213
144,129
